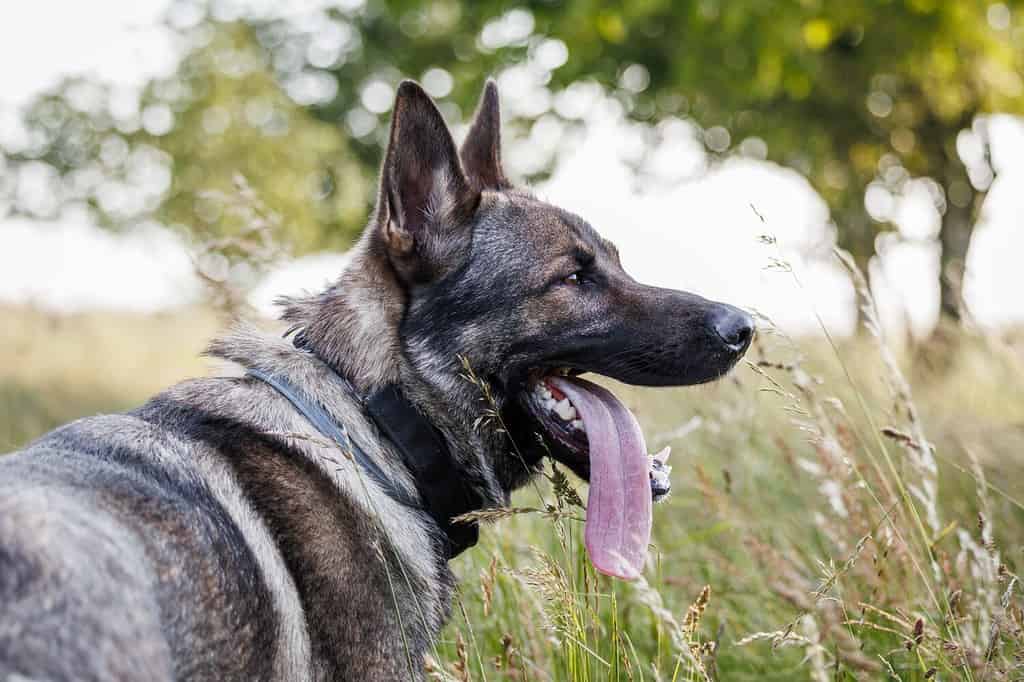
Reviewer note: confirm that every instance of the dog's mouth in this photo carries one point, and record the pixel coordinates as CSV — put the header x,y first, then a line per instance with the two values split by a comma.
x,y
561,421
590,429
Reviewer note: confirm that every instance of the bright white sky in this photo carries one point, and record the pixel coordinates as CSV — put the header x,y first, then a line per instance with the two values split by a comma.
x,y
44,39
700,234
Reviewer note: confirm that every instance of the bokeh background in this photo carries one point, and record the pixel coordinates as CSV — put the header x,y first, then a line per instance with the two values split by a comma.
x,y
168,164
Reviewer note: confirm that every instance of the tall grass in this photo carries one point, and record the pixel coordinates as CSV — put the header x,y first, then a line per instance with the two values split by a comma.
x,y
840,511
817,530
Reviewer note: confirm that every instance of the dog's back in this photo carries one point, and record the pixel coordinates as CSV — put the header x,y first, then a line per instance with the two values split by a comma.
x,y
191,540
62,617
226,531
118,560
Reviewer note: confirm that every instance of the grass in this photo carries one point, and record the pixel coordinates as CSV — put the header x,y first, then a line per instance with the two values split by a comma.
x,y
56,368
838,513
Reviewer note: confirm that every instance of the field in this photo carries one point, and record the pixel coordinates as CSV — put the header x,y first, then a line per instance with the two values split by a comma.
x,y
838,512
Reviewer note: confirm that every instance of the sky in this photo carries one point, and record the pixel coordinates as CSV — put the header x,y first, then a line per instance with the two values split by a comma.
x,y
44,39
743,231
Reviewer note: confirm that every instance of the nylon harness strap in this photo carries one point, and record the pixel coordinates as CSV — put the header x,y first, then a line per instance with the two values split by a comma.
x,y
424,453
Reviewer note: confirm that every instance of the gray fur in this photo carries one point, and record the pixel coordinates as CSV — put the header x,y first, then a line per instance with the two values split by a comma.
x,y
83,538
214,534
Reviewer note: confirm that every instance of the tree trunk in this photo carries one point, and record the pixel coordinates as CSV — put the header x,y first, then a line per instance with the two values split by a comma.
x,y
955,236
938,354
938,145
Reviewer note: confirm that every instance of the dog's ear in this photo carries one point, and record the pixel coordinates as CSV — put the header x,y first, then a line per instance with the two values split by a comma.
x,y
481,150
425,200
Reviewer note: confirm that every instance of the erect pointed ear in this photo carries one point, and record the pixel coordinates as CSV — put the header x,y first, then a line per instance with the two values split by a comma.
x,y
424,196
481,150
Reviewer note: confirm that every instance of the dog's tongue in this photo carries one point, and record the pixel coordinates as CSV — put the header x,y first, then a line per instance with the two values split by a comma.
x,y
618,527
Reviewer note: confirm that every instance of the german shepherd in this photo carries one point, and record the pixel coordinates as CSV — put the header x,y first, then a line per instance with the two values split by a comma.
x,y
292,521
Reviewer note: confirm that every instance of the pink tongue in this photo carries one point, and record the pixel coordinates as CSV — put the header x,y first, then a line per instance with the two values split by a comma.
x,y
618,527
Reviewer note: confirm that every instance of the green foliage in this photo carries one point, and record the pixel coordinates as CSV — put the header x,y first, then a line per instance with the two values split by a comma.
x,y
832,87
816,567
232,117
846,92
221,114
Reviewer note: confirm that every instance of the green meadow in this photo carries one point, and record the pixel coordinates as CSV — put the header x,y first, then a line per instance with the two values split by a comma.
x,y
840,510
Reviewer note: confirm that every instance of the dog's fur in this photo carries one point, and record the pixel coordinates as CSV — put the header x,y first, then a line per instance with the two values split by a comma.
x,y
213,533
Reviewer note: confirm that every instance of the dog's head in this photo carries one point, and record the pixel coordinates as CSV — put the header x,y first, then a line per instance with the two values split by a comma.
x,y
529,295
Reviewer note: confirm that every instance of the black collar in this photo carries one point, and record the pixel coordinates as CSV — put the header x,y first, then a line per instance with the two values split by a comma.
x,y
442,486
439,478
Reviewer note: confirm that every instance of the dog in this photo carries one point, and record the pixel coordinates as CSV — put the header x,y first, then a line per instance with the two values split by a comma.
x,y
294,520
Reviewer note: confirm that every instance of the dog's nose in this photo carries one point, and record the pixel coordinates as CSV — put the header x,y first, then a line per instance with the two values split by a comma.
x,y
734,327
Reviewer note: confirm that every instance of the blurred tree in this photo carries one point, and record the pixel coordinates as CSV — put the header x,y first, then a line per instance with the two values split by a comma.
x,y
232,117
173,153
853,93
848,92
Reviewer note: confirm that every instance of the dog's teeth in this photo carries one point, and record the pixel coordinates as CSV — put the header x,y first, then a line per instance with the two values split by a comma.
x,y
577,424
548,403
565,410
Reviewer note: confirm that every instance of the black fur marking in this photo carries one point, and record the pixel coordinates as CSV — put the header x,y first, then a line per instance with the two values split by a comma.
x,y
331,547
168,526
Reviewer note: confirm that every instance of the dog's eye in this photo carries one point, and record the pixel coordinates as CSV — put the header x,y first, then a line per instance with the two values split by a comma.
x,y
574,279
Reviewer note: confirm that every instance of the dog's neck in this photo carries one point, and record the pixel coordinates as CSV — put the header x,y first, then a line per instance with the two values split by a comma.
x,y
354,325
416,442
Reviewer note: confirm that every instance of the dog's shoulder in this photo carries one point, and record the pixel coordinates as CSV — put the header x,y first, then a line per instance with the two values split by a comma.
x,y
142,496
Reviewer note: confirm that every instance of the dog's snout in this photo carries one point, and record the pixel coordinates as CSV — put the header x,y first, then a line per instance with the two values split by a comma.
x,y
734,327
